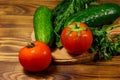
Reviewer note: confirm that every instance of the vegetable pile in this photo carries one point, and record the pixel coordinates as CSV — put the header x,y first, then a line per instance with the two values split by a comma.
x,y
77,25
64,10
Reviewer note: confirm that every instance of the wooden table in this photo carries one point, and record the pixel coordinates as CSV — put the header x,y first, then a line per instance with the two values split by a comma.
x,y
16,26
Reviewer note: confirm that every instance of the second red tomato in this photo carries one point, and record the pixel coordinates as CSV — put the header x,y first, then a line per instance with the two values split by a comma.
x,y
76,38
35,57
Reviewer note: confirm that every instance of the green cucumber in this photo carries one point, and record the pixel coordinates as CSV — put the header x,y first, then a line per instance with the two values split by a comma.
x,y
43,25
102,14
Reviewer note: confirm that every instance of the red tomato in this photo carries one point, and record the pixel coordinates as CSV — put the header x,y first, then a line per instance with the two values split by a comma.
x,y
35,57
76,38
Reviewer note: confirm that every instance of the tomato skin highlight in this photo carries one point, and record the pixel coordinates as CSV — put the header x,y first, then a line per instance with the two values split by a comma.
x,y
37,58
74,43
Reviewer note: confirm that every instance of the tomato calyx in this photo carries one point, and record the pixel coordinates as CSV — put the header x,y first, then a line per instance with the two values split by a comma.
x,y
76,27
31,45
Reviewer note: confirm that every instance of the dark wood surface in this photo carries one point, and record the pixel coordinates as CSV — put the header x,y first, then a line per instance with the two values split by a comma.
x,y
16,26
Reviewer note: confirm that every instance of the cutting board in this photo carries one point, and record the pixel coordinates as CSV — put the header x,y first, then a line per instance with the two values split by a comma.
x,y
61,56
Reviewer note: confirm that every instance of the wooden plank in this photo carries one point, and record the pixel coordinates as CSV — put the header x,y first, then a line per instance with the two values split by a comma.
x,y
24,7
14,71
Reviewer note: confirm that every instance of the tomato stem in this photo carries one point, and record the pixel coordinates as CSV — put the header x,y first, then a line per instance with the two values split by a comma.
x,y
30,45
76,28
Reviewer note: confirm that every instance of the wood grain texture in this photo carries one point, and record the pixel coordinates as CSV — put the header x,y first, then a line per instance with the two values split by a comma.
x,y
16,26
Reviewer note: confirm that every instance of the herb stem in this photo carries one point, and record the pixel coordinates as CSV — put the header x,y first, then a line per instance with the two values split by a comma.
x,y
113,26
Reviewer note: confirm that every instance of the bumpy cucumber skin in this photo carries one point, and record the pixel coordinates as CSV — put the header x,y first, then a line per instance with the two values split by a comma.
x,y
43,25
102,14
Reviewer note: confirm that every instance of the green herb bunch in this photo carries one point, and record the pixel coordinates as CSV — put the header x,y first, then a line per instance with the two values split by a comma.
x,y
104,46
